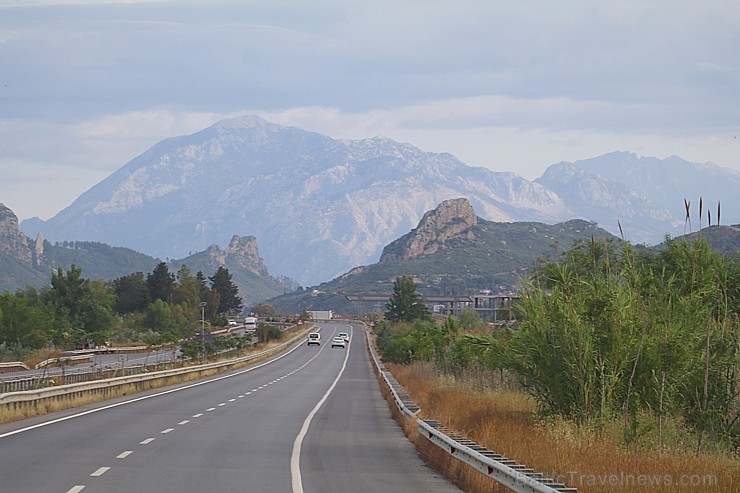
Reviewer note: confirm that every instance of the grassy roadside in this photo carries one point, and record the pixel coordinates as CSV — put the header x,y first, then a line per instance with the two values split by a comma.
x,y
504,422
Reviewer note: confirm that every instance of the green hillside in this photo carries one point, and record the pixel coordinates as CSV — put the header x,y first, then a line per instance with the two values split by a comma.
x,y
15,275
495,259
498,256
97,260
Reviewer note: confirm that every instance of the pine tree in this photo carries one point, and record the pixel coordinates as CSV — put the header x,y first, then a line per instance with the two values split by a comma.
x,y
160,282
229,299
132,293
405,304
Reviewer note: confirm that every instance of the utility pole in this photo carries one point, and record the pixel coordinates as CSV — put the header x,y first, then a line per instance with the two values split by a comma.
x,y
203,328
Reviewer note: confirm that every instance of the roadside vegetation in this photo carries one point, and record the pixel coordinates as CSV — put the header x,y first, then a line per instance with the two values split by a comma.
x,y
624,362
158,308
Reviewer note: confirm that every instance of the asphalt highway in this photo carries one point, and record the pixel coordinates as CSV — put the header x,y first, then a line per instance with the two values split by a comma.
x,y
309,420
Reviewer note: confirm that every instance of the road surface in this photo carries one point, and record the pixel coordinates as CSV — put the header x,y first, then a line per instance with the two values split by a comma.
x,y
309,420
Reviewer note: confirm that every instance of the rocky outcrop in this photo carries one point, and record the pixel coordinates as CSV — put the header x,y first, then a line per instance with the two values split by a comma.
x,y
452,219
242,251
12,241
38,250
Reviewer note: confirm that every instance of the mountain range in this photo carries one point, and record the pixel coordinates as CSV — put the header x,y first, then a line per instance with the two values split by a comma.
x,y
321,206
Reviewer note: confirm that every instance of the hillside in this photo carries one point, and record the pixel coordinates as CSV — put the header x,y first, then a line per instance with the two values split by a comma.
x,y
25,263
452,251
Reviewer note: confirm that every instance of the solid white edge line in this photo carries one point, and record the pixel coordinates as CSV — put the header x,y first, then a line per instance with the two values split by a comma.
x,y
137,399
295,458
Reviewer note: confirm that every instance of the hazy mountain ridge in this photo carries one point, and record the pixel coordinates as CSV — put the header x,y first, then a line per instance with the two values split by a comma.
x,y
320,206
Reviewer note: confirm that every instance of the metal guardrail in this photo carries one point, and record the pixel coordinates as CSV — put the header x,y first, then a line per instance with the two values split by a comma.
x,y
64,359
50,380
517,477
13,366
33,382
97,385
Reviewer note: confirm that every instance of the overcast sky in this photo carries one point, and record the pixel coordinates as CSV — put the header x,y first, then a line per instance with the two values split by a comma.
x,y
86,86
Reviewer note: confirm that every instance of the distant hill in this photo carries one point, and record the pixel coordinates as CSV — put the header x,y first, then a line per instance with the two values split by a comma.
x,y
25,263
320,206
98,260
725,239
450,252
15,275
454,252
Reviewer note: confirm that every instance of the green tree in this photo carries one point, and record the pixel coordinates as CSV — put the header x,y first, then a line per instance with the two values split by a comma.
x,y
229,300
132,293
159,317
405,304
23,322
470,320
187,290
82,307
160,282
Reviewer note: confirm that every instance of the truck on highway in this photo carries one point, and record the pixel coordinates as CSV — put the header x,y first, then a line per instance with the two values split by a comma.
x,y
250,324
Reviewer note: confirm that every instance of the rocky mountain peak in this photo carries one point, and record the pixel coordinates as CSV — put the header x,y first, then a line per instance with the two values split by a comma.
x,y
242,251
451,219
12,241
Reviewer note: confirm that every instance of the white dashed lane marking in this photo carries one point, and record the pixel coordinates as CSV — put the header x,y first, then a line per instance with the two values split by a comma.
x,y
100,471
184,422
164,432
197,415
76,489
147,441
125,454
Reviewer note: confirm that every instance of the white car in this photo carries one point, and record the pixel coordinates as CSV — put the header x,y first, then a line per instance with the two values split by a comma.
x,y
344,336
314,338
338,342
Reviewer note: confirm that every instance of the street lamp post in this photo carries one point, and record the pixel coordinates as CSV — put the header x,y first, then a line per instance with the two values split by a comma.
x,y
203,327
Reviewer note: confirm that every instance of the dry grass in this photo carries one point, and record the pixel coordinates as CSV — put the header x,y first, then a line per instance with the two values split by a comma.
x,y
504,422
